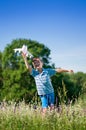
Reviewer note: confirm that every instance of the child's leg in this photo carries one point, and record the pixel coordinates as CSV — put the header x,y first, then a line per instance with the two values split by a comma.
x,y
47,100
52,107
44,101
51,101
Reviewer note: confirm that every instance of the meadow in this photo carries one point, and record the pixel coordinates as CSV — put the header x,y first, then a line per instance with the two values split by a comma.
x,y
23,116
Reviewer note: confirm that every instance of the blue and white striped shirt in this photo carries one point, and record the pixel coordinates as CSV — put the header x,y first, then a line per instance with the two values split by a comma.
x,y
43,81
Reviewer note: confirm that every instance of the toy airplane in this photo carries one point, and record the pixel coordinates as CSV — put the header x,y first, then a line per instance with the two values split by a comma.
x,y
24,50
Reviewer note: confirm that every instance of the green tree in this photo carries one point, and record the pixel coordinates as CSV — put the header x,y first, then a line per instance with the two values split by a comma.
x,y
69,87
1,77
18,84
79,80
64,88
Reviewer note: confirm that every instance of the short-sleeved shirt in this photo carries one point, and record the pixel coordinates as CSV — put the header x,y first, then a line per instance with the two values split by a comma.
x,y
43,81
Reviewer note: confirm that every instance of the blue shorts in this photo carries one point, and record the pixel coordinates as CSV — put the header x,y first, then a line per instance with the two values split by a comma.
x,y
47,100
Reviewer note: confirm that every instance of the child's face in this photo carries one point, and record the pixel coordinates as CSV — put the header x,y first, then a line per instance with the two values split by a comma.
x,y
37,63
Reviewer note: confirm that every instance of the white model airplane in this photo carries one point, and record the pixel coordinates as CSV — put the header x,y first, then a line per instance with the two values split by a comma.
x,y
24,50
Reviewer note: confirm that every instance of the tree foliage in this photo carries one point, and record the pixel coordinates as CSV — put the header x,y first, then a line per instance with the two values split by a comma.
x,y
68,87
1,77
17,84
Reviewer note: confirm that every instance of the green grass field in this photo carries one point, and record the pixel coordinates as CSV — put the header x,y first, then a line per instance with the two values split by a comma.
x,y
24,117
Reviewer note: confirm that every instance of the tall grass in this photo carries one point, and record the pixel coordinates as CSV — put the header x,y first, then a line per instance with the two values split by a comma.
x,y
25,117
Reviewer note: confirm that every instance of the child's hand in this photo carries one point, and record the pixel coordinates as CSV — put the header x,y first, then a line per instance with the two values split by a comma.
x,y
23,55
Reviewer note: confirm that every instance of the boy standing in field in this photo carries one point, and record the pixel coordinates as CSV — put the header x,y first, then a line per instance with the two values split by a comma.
x,y
43,83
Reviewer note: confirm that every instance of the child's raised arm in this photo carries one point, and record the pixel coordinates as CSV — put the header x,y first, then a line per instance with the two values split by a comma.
x,y
26,63
60,70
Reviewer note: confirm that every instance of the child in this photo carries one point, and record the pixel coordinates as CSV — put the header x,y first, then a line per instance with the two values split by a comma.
x,y
43,83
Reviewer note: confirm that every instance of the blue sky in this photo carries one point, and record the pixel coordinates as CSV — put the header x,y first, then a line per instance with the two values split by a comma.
x,y
59,24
